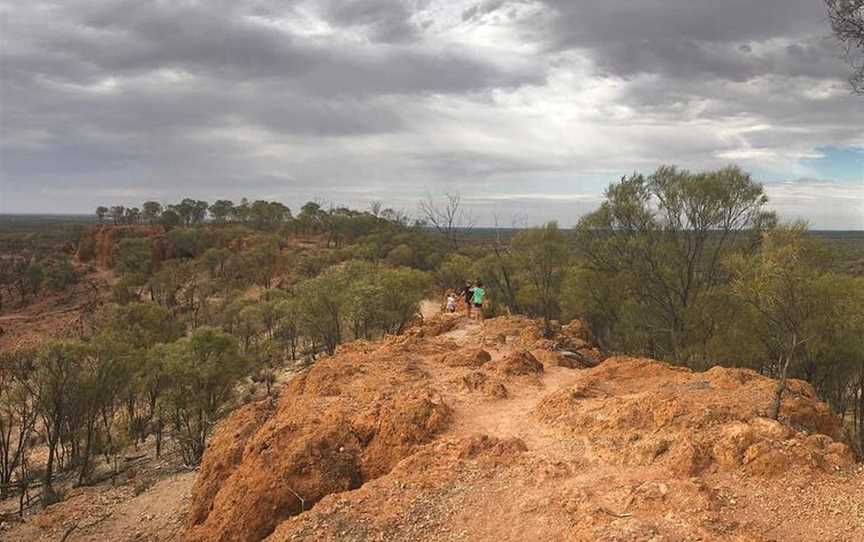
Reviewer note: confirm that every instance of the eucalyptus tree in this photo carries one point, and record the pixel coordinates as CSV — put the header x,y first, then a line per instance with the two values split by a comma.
x,y
665,236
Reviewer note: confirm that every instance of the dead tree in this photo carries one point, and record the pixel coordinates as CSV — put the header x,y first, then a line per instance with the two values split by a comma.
x,y
450,218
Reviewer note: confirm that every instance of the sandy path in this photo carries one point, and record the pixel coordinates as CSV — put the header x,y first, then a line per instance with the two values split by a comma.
x,y
512,417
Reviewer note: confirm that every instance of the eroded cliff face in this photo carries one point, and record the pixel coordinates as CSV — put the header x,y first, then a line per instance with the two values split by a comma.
x,y
468,431
347,421
99,245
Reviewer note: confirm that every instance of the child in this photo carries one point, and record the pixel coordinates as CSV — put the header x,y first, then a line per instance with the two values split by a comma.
x,y
451,302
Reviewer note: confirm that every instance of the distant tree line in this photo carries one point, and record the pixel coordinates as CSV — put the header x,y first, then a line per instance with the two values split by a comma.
x,y
338,223
190,212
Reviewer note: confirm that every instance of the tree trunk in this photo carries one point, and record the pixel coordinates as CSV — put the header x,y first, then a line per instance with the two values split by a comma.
x,y
48,494
159,425
858,412
21,498
509,290
88,447
778,391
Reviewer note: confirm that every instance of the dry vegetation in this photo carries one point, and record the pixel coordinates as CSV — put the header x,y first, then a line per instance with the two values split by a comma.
x,y
125,343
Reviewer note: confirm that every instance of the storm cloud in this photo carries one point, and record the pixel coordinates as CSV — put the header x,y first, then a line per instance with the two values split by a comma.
x,y
525,106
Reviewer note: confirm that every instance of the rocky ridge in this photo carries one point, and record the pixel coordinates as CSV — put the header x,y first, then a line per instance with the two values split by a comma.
x,y
466,431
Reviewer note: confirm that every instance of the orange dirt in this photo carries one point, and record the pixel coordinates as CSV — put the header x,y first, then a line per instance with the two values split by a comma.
x,y
148,504
394,440
55,315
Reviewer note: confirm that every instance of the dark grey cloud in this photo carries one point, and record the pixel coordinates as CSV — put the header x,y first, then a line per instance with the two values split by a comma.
x,y
139,37
729,39
351,100
581,22
682,59
117,87
385,20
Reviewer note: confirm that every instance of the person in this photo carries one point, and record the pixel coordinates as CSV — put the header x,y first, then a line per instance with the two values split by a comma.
x,y
477,295
467,295
451,302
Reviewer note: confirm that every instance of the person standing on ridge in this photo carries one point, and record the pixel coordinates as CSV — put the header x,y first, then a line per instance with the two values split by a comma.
x,y
477,295
468,295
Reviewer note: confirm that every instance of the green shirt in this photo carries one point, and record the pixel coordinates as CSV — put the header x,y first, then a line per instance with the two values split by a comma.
x,y
479,292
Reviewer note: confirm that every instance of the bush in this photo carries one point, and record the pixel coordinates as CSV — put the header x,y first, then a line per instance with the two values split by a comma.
x,y
401,256
128,289
359,300
133,256
62,275
190,242
86,249
455,272
404,290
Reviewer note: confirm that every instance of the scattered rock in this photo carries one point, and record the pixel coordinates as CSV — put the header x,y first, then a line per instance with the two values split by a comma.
x,y
562,358
519,363
470,358
479,381
440,324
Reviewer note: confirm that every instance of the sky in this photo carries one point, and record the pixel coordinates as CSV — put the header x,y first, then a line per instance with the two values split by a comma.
x,y
528,108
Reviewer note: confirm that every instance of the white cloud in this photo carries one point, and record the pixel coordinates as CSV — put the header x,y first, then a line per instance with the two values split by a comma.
x,y
825,205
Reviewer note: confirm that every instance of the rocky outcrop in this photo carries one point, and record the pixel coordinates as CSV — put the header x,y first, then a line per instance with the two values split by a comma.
x,y
225,453
518,363
348,420
695,422
99,244
417,438
472,358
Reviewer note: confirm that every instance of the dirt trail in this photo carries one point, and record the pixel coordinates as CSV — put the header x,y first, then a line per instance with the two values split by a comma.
x,y
511,418
429,309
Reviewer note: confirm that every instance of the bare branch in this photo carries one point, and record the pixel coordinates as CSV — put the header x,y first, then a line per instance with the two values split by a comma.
x,y
449,218
847,21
